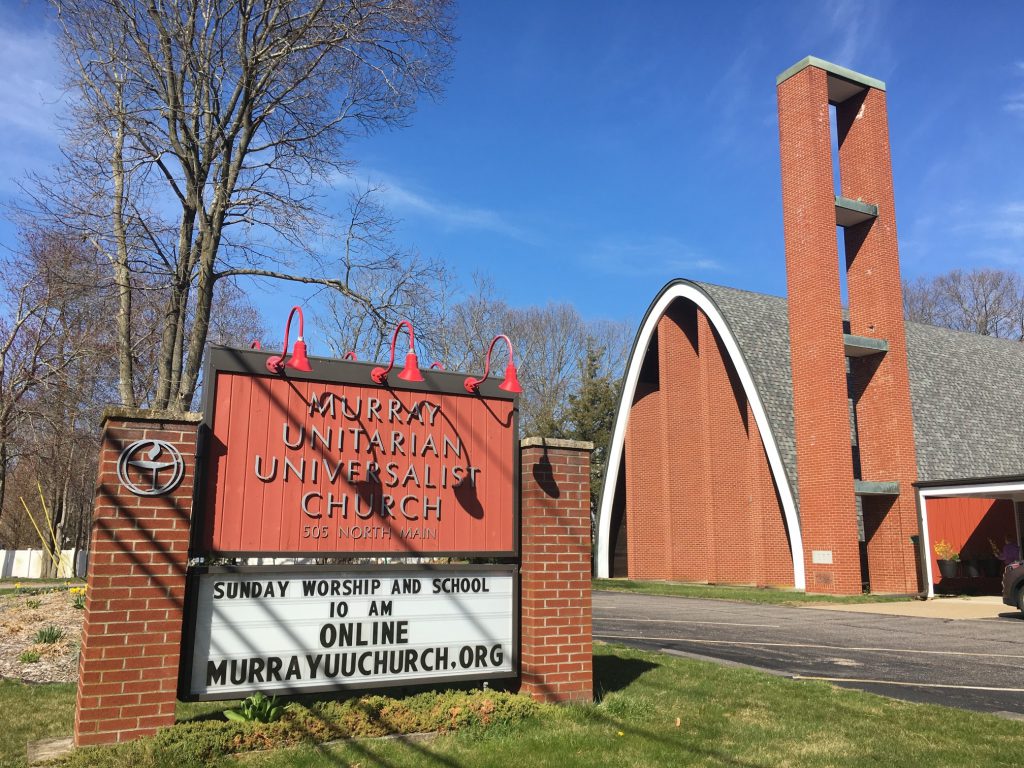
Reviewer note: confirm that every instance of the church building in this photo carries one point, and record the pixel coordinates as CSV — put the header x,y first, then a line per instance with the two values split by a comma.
x,y
802,443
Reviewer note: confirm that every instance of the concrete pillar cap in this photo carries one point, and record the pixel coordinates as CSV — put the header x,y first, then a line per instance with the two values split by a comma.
x,y
556,442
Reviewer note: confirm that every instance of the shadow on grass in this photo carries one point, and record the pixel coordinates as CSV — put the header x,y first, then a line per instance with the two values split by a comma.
x,y
613,673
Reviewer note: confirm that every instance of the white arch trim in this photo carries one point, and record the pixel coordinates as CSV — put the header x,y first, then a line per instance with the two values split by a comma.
x,y
671,292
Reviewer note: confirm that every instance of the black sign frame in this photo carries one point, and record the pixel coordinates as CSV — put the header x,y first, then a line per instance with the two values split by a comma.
x,y
186,667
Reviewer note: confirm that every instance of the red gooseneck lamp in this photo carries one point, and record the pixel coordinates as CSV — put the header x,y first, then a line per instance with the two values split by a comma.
x,y
511,382
350,355
298,360
411,371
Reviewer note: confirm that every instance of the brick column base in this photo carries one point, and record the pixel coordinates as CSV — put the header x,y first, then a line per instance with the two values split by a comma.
x,y
556,658
131,636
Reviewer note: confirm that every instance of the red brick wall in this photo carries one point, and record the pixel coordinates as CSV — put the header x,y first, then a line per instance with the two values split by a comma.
x,y
131,636
701,504
771,559
685,515
645,532
556,658
730,533
882,382
824,460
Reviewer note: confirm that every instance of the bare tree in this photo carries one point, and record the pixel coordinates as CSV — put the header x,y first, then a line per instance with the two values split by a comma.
x,y
402,283
989,302
54,357
201,133
235,320
550,343
59,370
465,327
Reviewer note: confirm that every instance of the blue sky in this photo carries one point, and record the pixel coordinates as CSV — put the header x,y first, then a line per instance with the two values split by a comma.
x,y
587,152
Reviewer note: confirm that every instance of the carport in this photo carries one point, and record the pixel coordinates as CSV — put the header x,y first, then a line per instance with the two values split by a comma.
x,y
976,518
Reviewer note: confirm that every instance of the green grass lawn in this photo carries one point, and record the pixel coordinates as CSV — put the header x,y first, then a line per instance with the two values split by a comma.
x,y
35,712
727,717
31,713
738,594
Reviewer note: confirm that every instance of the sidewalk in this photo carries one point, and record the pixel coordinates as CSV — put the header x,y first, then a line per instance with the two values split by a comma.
x,y
949,608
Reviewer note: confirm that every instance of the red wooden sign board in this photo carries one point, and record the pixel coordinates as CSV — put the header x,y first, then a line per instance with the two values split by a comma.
x,y
329,463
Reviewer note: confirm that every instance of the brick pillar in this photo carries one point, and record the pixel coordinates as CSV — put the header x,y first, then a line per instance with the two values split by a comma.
x,y
885,422
828,515
131,636
556,657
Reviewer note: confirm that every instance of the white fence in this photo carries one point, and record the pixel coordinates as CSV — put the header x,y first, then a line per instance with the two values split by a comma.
x,y
28,563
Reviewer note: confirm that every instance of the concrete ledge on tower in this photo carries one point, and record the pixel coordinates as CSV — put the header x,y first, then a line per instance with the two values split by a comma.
x,y
876,487
842,82
850,213
863,346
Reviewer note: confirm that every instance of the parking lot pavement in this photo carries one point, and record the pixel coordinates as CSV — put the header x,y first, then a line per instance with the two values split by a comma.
x,y
971,663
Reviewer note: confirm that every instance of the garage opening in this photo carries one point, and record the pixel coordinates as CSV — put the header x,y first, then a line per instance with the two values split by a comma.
x,y
972,530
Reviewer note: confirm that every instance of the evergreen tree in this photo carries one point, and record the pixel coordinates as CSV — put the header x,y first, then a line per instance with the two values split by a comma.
x,y
591,414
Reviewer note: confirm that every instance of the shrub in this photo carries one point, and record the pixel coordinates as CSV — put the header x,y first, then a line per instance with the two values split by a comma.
x,y
431,711
257,708
49,634
200,743
29,657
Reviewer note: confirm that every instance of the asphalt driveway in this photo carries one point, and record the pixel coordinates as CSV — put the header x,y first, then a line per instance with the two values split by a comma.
x,y
974,664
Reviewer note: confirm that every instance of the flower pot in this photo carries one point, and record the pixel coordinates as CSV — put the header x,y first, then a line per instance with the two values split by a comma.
x,y
971,569
948,568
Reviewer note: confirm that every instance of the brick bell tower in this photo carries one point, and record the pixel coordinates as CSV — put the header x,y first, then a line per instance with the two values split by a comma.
x,y
853,464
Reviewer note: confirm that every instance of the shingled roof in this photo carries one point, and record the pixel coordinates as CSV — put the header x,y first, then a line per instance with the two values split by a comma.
x,y
965,389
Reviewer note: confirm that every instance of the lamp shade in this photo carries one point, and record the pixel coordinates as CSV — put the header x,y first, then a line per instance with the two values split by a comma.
x,y
411,371
299,360
511,382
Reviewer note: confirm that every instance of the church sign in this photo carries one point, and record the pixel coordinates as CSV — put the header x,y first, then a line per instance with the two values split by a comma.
x,y
328,462
294,630
334,460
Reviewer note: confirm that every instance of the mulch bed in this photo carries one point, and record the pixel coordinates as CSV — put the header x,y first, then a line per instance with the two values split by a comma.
x,y
19,623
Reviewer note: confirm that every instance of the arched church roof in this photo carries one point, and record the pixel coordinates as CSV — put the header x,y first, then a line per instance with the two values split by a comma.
x,y
965,396
965,389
